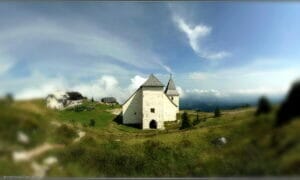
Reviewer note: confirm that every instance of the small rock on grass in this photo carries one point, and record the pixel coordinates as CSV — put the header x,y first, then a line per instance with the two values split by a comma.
x,y
22,138
220,141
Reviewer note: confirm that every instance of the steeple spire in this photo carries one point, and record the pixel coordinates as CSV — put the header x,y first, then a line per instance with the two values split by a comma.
x,y
171,88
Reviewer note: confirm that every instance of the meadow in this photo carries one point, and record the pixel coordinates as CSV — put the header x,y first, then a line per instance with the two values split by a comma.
x,y
108,148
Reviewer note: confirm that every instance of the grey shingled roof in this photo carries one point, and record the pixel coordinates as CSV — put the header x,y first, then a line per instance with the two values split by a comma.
x,y
152,81
171,89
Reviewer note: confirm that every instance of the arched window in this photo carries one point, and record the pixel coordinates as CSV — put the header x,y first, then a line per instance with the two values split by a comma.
x,y
153,124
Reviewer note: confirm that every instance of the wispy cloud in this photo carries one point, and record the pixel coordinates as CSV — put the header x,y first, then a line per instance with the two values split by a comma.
x,y
92,42
195,36
199,76
58,49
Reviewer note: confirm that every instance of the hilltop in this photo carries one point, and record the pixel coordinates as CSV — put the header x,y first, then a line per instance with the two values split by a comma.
x,y
90,141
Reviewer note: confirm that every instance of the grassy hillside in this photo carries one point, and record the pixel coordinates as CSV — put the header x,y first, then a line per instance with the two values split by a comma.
x,y
108,148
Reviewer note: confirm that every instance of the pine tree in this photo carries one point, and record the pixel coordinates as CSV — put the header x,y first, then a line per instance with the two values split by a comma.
x,y
197,120
289,109
217,112
185,121
264,106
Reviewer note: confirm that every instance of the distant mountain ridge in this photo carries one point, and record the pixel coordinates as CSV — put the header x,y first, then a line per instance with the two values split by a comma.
x,y
210,103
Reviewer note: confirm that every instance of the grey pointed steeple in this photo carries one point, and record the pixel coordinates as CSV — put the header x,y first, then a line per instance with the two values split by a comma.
x,y
171,88
152,81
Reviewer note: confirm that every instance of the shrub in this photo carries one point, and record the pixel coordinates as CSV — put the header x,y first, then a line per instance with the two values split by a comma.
x,y
290,107
197,120
75,96
118,119
264,106
184,143
72,121
92,123
65,134
217,112
156,150
7,100
9,97
185,121
80,108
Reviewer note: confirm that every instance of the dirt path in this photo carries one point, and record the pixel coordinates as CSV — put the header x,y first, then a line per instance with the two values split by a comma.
x,y
115,111
81,134
40,170
21,156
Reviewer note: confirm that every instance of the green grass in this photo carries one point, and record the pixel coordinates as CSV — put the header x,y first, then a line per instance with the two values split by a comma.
x,y
14,119
110,149
99,113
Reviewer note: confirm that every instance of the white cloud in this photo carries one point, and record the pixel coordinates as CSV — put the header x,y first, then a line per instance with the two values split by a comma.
x,y
87,53
199,76
261,91
204,92
195,35
106,85
167,68
6,63
250,79
43,89
180,91
136,82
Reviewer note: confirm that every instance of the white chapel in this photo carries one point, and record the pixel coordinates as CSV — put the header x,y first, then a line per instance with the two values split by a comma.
x,y
151,105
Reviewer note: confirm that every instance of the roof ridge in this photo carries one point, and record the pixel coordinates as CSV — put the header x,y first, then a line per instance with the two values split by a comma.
x,y
152,81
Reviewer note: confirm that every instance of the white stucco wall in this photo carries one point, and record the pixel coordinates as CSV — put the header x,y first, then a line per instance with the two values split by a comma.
x,y
132,109
170,110
153,98
137,109
176,100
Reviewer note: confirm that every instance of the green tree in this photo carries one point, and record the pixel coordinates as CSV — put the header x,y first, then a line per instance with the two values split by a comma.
x,y
92,123
65,134
289,108
185,121
197,120
217,112
264,106
9,98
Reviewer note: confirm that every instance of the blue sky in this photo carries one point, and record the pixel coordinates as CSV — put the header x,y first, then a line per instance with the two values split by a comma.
x,y
219,49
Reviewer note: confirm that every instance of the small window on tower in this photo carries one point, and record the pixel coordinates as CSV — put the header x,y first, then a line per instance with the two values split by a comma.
x,y
172,98
152,110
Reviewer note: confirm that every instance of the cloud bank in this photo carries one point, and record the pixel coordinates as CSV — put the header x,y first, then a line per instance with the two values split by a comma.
x,y
106,85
